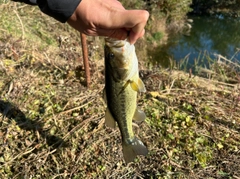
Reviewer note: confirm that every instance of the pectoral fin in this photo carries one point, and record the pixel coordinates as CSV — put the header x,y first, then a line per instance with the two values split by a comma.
x,y
141,86
138,86
109,120
139,115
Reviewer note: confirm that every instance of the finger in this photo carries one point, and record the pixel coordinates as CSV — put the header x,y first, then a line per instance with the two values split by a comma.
x,y
132,38
133,19
120,34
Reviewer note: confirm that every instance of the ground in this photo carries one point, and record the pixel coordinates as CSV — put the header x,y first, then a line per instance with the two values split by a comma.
x,y
52,126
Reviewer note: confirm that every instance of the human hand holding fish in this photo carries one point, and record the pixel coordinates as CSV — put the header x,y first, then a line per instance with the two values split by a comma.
x,y
109,18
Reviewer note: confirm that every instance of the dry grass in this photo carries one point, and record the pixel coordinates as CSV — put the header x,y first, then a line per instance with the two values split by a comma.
x,y
51,126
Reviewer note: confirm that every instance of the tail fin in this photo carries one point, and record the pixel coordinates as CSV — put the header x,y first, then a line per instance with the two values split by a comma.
x,y
131,150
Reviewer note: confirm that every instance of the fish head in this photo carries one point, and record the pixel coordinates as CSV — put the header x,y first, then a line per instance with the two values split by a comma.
x,y
118,57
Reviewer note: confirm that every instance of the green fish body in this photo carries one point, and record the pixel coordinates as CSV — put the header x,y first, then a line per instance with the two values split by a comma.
x,y
122,83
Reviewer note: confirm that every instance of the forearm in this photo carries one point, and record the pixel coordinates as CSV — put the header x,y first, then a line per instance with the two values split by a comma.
x,y
61,10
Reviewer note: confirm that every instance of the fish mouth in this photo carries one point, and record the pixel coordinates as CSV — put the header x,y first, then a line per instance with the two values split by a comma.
x,y
114,43
120,47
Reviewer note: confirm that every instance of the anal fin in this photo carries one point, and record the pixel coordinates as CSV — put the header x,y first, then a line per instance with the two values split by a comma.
x,y
139,115
109,120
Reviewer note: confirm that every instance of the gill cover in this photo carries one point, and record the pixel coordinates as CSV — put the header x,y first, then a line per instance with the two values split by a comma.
x,y
116,62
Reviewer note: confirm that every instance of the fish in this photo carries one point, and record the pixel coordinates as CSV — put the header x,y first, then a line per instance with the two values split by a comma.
x,y
122,84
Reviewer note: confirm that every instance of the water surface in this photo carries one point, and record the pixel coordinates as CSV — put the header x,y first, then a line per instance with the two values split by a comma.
x,y
211,35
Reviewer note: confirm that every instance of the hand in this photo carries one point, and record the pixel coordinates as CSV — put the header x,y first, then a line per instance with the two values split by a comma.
x,y
109,18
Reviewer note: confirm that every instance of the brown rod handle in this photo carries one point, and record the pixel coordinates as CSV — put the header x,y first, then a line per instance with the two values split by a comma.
x,y
85,58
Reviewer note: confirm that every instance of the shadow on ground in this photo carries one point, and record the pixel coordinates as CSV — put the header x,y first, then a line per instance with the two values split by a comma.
x,y
12,112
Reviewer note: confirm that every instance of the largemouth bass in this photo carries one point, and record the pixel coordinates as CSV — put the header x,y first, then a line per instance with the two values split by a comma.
x,y
122,83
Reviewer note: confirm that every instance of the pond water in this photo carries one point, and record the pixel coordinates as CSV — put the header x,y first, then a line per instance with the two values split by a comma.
x,y
211,35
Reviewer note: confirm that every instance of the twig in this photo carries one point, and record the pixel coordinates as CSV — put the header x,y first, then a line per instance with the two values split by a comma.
x,y
58,175
222,83
79,107
236,177
222,57
23,32
79,126
169,90
74,99
3,30
177,165
21,154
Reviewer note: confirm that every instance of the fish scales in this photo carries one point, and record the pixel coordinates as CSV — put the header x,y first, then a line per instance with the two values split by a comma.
x,y
121,86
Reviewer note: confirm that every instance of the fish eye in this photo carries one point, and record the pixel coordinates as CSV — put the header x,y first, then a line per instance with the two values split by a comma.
x,y
111,55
